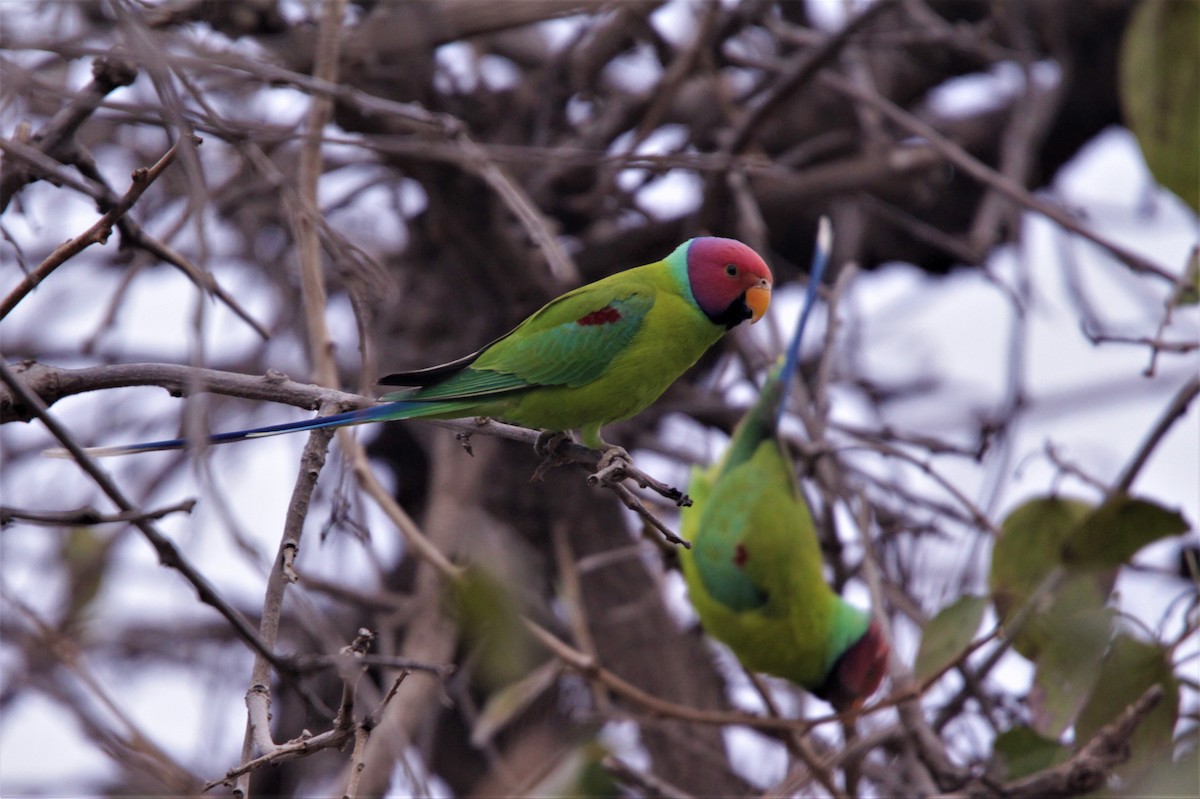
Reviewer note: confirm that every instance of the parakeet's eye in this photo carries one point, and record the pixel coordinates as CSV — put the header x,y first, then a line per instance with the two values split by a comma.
x,y
731,270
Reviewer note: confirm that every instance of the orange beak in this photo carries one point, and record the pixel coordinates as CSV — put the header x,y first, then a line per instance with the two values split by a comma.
x,y
758,298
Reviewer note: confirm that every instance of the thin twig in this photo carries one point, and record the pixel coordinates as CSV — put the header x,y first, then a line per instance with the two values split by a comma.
x,y
800,71
88,515
168,554
64,650
1086,770
1175,411
132,233
988,176
98,233
629,500
308,662
109,72
589,668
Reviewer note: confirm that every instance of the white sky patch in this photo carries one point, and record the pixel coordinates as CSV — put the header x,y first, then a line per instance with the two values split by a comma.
x,y
364,210
637,70
499,73
670,195
675,596
334,149
831,15
26,20
579,110
410,778
969,95
624,739
49,217
32,721
664,140
753,43
282,104
412,197
562,31
182,731
674,194
676,20
755,757
296,12
457,68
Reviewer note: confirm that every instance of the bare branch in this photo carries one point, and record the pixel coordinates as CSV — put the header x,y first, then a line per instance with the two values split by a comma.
x,y
1086,770
168,554
988,176
96,234
88,516
108,73
1175,411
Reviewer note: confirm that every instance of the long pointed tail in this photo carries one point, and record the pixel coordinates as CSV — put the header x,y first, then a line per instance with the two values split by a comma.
x,y
762,420
378,413
820,257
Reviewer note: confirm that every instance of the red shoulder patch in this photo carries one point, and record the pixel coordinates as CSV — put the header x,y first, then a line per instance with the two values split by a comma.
x,y
605,316
740,556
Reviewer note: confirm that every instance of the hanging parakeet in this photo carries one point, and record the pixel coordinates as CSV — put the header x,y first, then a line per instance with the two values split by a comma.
x,y
595,355
754,573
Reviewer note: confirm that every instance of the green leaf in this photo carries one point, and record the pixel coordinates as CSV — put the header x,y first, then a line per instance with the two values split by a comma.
x,y
489,611
1068,668
1128,671
1026,552
1110,535
1028,547
1160,91
948,633
1180,777
87,557
1021,751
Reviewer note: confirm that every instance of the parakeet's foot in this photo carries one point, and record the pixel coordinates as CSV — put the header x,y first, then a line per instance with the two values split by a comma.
x,y
546,446
613,466
547,442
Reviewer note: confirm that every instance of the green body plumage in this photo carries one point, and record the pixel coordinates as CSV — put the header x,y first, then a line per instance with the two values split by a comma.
x,y
586,376
755,572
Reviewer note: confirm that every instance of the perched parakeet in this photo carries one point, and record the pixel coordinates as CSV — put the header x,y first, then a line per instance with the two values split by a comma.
x,y
754,573
595,355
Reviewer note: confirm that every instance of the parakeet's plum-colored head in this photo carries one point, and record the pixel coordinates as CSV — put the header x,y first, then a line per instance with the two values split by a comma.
x,y
729,281
858,672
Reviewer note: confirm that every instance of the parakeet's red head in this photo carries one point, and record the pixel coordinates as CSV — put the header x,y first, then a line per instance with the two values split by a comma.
x,y
858,672
729,281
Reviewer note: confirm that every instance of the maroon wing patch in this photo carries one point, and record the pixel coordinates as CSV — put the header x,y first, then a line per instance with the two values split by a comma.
x,y
740,556
605,316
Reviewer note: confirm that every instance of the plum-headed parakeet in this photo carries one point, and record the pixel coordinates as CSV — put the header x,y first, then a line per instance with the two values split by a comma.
x,y
754,573
595,355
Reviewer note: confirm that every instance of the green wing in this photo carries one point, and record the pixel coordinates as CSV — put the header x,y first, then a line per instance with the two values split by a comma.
x,y
720,552
569,342
734,492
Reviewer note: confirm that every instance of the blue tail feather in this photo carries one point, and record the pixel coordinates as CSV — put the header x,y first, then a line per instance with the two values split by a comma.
x,y
377,413
819,260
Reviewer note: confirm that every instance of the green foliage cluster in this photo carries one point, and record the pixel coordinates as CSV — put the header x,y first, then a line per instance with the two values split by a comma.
x,y
1054,565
